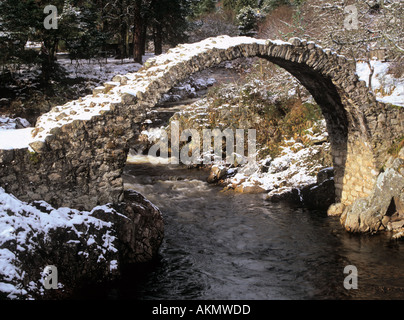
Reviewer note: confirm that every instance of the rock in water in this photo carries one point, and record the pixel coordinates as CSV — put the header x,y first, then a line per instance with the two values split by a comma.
x,y
217,173
140,235
371,214
85,247
336,210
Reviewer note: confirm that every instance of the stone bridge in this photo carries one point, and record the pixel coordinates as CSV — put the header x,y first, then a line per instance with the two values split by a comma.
x,y
77,152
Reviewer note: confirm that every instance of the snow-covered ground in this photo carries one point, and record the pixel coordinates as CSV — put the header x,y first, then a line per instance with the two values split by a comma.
x,y
387,88
100,71
95,71
14,133
15,139
7,123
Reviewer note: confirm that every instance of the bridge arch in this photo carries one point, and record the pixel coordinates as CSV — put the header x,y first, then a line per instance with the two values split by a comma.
x,y
78,151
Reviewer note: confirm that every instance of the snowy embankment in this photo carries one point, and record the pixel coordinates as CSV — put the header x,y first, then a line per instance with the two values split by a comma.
x,y
386,88
14,133
100,71
31,235
296,167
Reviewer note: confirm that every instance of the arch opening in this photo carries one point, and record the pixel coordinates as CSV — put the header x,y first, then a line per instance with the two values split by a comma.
x,y
328,99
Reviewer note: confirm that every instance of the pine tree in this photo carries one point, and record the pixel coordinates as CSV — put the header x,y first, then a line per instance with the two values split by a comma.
x,y
204,7
169,22
248,19
86,38
25,20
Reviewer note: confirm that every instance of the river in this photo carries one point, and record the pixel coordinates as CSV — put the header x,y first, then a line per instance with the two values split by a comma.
x,y
238,246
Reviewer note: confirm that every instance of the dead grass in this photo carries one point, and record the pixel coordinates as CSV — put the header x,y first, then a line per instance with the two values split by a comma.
x,y
278,24
396,69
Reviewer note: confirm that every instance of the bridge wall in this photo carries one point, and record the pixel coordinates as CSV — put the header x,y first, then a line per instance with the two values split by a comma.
x,y
78,161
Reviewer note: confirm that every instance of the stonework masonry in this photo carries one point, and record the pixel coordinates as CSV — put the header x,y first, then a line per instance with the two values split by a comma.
x,y
78,163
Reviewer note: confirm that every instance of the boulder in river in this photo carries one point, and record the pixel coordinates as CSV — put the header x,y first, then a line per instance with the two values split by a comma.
x,y
375,212
84,247
217,173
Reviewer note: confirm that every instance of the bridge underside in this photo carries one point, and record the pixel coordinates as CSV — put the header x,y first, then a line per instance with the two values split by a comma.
x,y
353,161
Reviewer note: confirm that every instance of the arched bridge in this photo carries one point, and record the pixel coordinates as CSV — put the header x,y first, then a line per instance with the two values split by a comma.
x,y
78,151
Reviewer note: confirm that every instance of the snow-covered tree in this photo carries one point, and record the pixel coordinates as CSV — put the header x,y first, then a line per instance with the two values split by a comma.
x,y
248,19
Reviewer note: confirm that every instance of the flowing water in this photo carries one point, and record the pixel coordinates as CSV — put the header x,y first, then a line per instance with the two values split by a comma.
x,y
238,246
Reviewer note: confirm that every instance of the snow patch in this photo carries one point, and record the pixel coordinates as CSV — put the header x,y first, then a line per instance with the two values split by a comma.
x,y
386,88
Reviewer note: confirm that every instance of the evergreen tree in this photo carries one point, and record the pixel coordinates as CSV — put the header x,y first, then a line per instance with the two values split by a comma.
x,y
204,6
141,20
169,22
86,38
119,14
25,20
237,5
248,19
245,3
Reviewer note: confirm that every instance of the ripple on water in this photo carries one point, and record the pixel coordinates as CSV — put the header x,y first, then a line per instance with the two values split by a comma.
x,y
237,246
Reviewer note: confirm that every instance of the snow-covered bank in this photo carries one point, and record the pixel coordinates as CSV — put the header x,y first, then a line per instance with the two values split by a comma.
x,y
95,72
26,230
7,123
386,88
14,133
295,168
86,247
100,71
15,139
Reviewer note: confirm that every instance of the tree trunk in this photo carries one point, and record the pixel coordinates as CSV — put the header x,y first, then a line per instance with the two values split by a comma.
x,y
158,39
48,57
127,42
138,33
122,40
372,71
144,36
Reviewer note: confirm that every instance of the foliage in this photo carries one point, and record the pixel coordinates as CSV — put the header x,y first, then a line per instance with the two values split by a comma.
x,y
248,19
85,39
237,5
23,20
379,25
170,18
203,7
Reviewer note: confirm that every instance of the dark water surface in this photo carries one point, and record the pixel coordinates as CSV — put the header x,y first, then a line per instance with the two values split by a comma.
x,y
238,246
